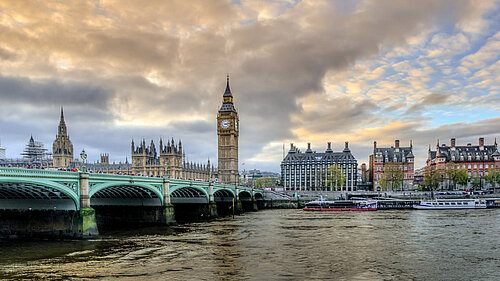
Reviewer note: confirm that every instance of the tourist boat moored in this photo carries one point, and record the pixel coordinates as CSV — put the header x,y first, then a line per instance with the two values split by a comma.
x,y
445,204
345,205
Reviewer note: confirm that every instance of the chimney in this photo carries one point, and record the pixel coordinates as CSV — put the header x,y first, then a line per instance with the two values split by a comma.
x,y
329,145
453,142
374,145
396,143
308,145
291,146
481,141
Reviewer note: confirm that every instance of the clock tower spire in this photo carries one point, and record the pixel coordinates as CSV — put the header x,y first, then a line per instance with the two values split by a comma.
x,y
228,132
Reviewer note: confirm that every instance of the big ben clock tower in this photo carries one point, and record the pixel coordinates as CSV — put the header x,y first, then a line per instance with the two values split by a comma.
x,y
227,132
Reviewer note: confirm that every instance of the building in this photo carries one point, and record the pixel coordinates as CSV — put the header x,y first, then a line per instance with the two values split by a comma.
x,y
167,160
62,148
476,159
228,132
310,170
402,156
251,175
34,155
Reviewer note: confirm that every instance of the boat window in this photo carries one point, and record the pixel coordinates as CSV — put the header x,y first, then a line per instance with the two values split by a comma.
x,y
452,203
440,203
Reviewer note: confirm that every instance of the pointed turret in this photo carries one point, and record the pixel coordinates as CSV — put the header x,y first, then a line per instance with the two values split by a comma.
x,y
62,148
227,93
227,98
62,125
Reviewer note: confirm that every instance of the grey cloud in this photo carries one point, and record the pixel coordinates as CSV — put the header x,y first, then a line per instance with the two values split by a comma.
x,y
273,65
339,115
429,100
50,92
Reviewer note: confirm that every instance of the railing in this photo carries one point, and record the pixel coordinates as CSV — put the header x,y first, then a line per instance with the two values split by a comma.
x,y
22,172
37,173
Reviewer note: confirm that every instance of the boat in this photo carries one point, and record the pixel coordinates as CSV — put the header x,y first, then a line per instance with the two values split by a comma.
x,y
344,205
445,204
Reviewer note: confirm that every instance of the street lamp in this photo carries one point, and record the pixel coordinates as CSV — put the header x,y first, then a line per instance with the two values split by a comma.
x,y
166,169
83,155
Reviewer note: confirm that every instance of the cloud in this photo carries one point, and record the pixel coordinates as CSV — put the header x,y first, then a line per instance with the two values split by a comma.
x,y
299,70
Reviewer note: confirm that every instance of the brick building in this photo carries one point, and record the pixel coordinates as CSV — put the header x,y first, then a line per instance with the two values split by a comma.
x,y
394,154
476,159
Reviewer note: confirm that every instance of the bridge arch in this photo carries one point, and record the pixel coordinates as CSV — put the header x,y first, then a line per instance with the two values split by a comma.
x,y
223,195
258,196
34,189
188,194
123,193
245,196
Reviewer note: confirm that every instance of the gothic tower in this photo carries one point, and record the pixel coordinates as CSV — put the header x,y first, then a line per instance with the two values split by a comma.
x,y
227,132
62,149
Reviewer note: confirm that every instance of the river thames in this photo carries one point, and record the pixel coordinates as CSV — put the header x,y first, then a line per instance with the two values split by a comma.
x,y
277,245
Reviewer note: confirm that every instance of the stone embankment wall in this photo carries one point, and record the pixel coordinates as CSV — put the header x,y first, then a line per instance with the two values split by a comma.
x,y
283,204
48,224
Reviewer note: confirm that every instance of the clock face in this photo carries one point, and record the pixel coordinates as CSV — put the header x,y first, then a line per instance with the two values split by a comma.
x,y
224,124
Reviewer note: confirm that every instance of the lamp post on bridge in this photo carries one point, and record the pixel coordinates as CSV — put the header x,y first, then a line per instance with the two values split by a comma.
x,y
83,155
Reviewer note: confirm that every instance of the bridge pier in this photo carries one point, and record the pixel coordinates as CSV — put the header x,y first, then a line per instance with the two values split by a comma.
x,y
238,206
212,206
86,222
168,207
254,202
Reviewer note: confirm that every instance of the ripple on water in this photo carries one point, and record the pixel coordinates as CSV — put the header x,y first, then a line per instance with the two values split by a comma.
x,y
277,244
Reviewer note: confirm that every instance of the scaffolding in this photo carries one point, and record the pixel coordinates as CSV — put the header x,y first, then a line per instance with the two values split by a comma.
x,y
35,154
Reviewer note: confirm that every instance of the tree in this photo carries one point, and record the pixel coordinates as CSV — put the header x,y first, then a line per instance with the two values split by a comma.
x,y
476,182
262,183
393,176
461,177
493,177
432,177
336,177
455,174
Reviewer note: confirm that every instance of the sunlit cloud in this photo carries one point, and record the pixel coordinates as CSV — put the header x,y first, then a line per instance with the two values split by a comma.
x,y
301,71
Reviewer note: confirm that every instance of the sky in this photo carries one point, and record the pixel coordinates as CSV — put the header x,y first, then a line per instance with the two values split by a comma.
x,y
300,71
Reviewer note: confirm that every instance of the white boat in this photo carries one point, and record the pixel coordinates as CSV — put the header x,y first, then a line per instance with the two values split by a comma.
x,y
445,204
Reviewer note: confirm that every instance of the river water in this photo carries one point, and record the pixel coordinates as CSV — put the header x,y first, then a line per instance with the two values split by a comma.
x,y
277,245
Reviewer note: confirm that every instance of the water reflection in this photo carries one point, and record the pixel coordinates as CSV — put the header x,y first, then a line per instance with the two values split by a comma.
x,y
277,244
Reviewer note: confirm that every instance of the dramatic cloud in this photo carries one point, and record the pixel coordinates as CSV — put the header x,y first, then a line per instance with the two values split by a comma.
x,y
301,71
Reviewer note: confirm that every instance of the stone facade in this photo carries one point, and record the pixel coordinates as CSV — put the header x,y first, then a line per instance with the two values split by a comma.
x,y
167,160
228,132
62,149
309,170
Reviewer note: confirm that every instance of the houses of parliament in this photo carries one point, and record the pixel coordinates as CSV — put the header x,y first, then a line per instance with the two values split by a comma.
x,y
166,159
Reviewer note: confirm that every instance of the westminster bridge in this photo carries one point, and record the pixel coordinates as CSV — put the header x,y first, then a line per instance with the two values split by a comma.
x,y
72,204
